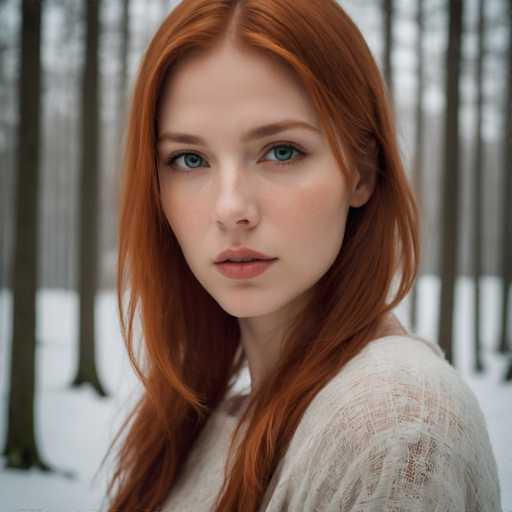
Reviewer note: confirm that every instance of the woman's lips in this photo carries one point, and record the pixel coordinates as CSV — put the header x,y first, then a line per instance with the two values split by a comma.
x,y
244,270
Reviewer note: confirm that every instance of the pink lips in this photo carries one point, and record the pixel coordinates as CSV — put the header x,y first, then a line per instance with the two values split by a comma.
x,y
243,270
241,253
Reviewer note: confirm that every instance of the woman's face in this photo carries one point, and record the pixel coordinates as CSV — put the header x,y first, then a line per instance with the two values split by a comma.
x,y
281,194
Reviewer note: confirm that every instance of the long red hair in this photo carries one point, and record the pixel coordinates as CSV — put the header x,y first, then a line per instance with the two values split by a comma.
x,y
191,346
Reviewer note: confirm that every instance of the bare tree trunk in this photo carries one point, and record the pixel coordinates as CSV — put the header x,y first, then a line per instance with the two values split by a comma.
x,y
506,237
21,449
69,159
418,153
477,189
88,211
507,210
4,161
388,13
123,75
451,170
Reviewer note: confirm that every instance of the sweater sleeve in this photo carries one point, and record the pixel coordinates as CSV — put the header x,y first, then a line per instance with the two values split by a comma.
x,y
404,442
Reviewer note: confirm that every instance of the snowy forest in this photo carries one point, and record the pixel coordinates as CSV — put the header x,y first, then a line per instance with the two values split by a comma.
x,y
66,72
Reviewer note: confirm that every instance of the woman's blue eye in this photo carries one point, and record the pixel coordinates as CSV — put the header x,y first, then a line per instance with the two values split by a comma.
x,y
283,152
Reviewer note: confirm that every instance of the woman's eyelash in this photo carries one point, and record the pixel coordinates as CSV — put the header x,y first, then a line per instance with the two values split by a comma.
x,y
170,161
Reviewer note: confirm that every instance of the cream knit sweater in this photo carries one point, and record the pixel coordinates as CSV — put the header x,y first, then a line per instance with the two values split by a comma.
x,y
396,430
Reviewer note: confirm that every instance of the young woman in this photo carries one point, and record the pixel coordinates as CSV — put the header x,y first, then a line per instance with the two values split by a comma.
x,y
262,130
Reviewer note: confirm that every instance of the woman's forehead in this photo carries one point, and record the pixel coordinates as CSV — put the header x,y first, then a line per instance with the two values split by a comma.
x,y
228,81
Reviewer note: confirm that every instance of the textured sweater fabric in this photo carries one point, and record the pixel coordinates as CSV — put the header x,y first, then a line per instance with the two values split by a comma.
x,y
397,429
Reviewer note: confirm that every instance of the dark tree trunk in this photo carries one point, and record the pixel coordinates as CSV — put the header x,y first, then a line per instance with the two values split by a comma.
x,y
506,251
388,13
4,162
69,163
478,186
506,237
21,449
123,75
450,172
88,209
419,135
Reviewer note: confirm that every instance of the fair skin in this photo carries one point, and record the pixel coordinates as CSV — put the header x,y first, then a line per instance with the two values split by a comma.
x,y
229,192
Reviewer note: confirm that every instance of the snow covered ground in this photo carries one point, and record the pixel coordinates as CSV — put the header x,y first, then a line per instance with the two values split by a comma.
x,y
75,427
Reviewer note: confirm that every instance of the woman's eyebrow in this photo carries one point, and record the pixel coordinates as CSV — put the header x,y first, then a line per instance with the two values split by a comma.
x,y
255,133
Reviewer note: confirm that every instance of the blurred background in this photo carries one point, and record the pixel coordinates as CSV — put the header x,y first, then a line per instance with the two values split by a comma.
x,y
66,73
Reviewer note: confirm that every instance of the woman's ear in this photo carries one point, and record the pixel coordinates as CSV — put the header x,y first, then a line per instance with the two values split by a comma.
x,y
362,189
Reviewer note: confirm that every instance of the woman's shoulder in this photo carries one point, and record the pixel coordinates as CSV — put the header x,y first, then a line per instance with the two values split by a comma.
x,y
413,373
397,386
398,408
385,366
405,343
396,360
401,379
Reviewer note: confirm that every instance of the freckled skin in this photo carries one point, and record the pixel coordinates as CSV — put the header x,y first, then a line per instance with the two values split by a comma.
x,y
236,193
